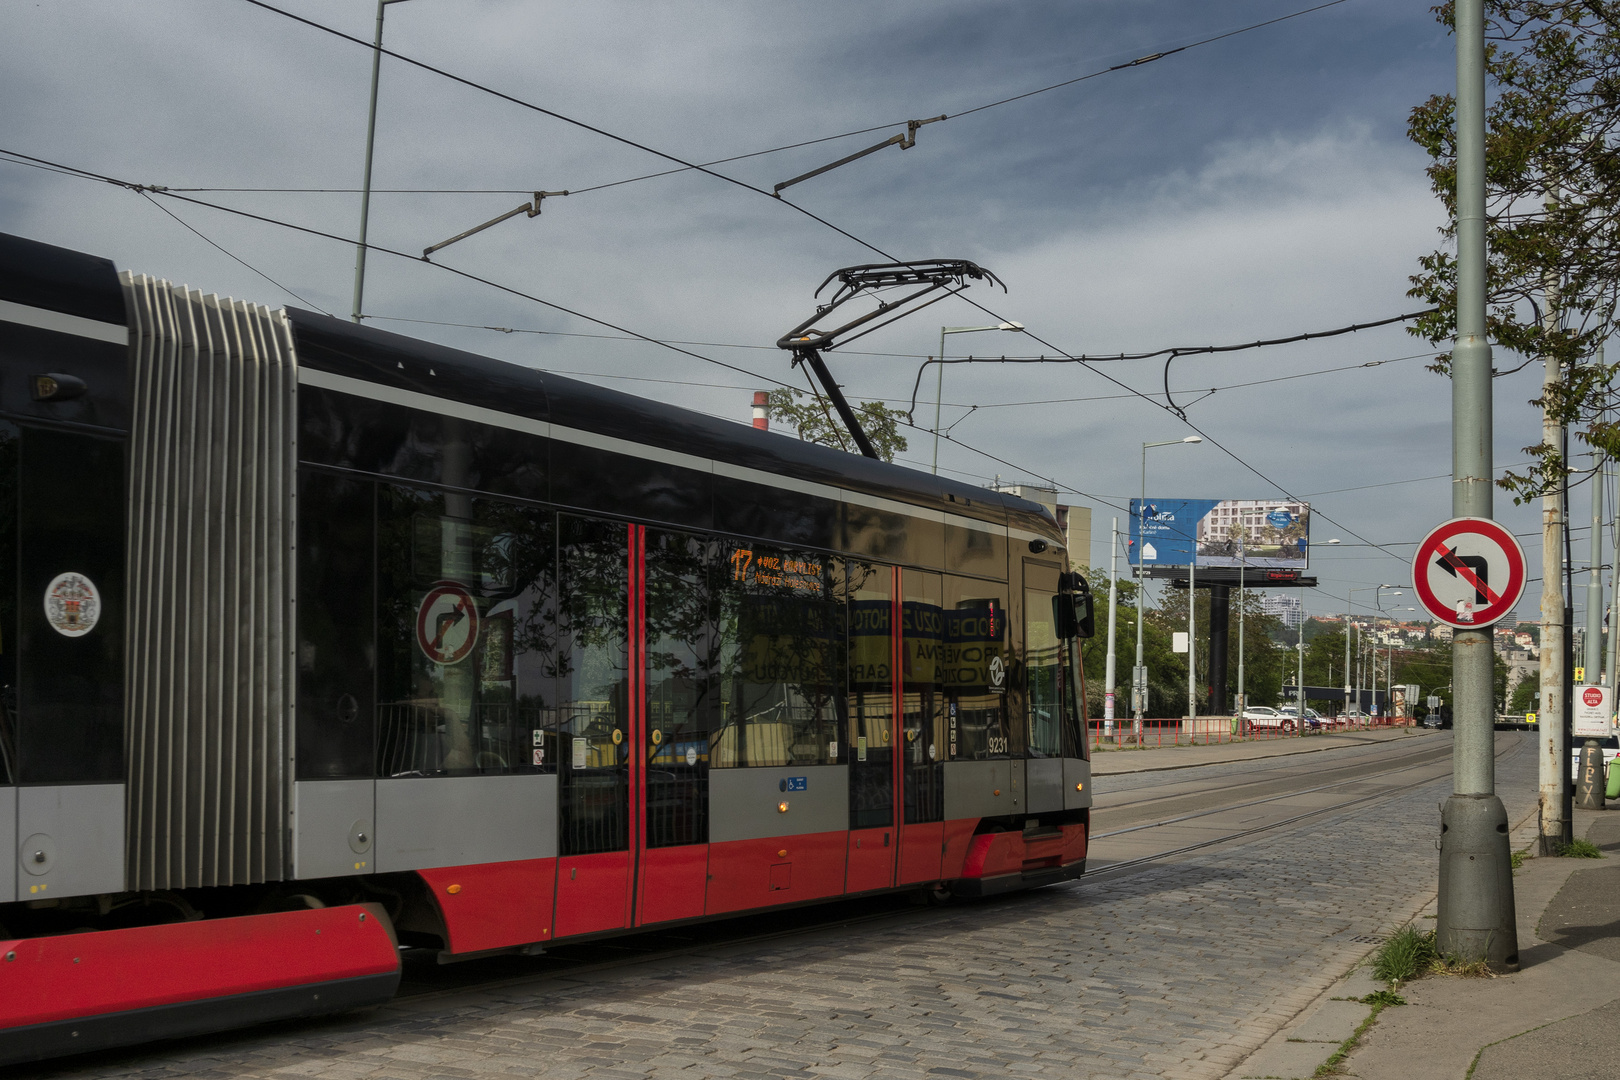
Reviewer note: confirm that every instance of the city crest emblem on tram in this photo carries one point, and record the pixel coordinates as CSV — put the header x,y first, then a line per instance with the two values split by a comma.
x,y
72,604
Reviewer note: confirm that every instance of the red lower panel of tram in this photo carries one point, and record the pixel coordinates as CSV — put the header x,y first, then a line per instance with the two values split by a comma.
x,y
747,874
920,848
76,992
593,893
995,854
871,860
495,905
674,881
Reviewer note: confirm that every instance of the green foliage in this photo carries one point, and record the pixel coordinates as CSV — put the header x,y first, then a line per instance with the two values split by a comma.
x,y
1406,955
815,420
1167,671
1518,858
1553,209
1525,696
1382,997
1580,849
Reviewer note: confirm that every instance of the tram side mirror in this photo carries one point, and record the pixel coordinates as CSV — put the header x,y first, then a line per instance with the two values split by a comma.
x,y
1072,615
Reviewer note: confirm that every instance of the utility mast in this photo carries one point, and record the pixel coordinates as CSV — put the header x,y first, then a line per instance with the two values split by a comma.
x,y
1552,743
1475,918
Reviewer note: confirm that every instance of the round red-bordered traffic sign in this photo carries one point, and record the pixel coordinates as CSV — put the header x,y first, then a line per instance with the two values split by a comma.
x,y
447,623
1469,572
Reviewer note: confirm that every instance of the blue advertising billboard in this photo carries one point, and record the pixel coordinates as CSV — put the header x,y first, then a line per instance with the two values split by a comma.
x,y
1261,533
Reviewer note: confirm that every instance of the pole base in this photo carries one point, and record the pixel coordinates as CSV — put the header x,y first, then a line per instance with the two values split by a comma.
x,y
1476,913
1589,778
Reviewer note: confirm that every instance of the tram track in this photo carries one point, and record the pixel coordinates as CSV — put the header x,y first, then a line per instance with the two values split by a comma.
x,y
1263,777
1512,748
1428,759
427,981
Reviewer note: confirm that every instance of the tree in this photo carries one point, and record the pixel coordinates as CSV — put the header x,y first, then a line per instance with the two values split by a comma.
x,y
1167,670
1552,161
814,420
1525,696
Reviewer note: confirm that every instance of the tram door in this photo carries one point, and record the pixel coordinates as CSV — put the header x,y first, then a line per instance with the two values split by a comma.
x,y
922,746
677,697
871,594
599,566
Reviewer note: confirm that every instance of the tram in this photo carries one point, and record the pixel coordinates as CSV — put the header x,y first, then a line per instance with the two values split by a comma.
x,y
319,643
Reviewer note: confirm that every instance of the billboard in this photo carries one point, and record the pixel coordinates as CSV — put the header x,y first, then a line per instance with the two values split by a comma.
x,y
1257,533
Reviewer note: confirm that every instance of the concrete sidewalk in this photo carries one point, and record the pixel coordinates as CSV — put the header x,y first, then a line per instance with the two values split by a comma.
x,y
1154,759
1557,1018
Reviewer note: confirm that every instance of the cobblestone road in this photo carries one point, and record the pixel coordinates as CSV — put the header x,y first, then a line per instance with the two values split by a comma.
x,y
1175,971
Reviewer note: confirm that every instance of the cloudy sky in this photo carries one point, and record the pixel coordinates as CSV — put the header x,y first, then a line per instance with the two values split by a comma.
x,y
1251,187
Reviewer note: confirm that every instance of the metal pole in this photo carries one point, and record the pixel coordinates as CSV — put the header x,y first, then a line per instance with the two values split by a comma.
x,y
365,192
1554,758
1139,672
1242,559
1347,661
1614,603
1113,610
1594,578
1299,677
1192,639
1475,919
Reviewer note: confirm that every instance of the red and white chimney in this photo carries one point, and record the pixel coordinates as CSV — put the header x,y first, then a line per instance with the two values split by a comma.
x,y
762,419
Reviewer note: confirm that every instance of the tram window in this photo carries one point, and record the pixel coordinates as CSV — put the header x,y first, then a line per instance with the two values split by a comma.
x,y
922,670
593,685
869,707
70,716
467,635
1046,674
336,612
780,658
977,675
682,688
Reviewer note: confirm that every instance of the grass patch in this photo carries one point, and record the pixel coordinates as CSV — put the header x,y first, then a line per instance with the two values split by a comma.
x,y
1330,1067
1580,849
1519,857
1451,965
1407,954
1382,997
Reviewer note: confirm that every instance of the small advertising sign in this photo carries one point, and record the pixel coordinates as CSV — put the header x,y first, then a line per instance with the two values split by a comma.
x,y
1592,709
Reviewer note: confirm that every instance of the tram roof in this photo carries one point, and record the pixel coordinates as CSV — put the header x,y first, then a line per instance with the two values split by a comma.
x,y
423,367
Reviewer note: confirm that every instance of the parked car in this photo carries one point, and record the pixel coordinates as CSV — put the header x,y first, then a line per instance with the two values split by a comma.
x,y
1313,719
1263,716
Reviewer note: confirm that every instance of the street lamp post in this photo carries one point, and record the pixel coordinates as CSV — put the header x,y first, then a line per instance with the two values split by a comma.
x,y
939,382
365,191
1243,557
1139,673
1347,615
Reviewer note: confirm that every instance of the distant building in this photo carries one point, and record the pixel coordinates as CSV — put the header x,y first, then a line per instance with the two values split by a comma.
x,y
1289,608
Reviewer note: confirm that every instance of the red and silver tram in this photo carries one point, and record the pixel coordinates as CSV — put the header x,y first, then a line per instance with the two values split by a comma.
x,y
318,643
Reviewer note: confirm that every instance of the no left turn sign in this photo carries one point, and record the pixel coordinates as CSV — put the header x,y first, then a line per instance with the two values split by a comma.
x,y
1469,572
